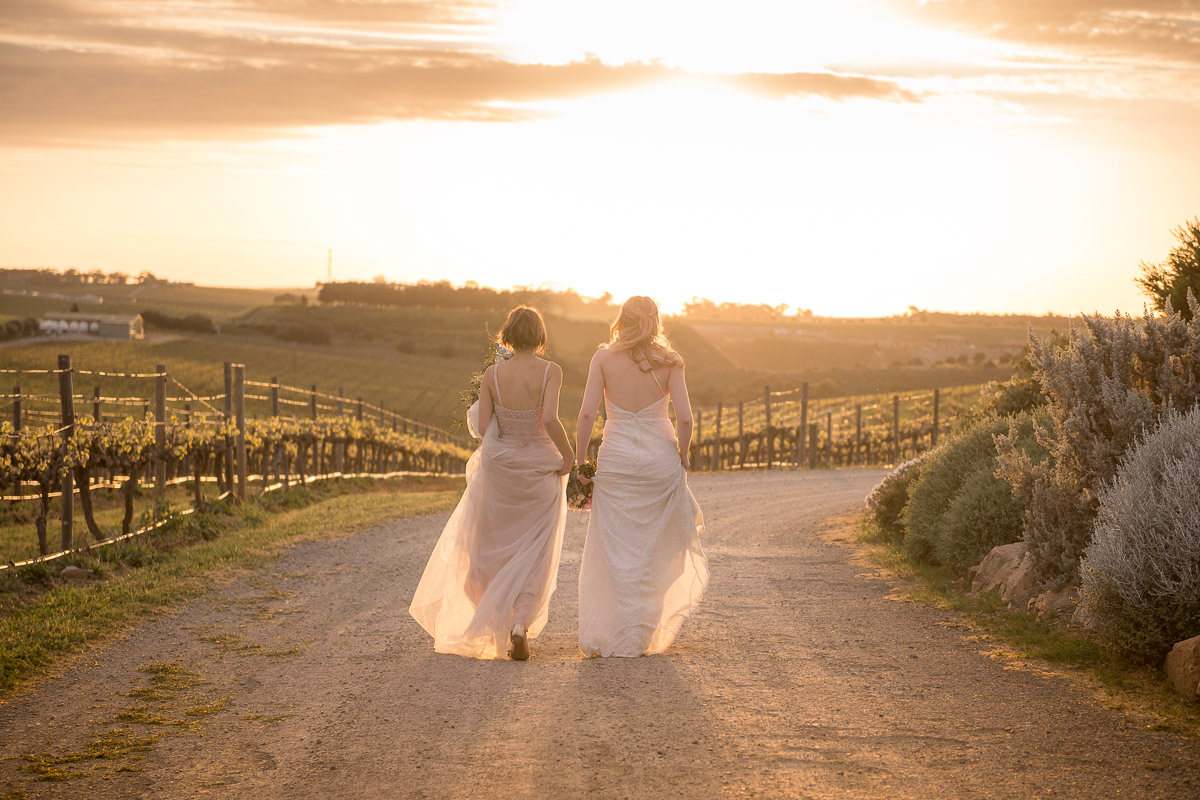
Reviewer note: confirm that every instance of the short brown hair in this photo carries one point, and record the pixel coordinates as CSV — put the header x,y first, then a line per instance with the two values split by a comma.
x,y
524,330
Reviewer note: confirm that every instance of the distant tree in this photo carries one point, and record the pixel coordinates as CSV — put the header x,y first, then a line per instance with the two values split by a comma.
x,y
1170,281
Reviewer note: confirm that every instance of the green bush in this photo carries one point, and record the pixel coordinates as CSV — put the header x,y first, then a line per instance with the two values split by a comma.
x,y
1140,575
958,509
885,503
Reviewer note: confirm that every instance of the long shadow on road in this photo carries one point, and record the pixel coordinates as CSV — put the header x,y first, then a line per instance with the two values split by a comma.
x,y
796,678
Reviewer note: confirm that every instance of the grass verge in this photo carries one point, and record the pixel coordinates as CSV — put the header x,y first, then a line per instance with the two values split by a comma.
x,y
1139,690
43,619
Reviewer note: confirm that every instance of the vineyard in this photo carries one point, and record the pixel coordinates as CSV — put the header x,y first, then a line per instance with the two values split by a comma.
x,y
785,428
158,439
57,445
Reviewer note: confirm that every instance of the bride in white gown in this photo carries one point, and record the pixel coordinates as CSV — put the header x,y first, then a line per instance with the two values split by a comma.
x,y
643,570
488,582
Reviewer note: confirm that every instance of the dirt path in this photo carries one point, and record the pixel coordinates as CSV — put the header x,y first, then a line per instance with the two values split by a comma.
x,y
797,678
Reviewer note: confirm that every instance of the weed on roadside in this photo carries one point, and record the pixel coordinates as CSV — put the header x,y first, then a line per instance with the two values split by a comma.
x,y
114,744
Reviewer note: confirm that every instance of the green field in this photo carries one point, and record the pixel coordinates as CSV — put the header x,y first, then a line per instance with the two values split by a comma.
x,y
416,362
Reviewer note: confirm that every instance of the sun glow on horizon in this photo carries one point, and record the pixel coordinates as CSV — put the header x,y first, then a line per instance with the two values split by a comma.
x,y
851,158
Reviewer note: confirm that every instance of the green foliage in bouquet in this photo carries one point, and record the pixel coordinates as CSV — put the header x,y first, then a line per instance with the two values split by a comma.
x,y
579,494
492,354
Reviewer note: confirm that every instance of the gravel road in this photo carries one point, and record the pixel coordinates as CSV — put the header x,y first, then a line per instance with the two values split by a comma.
x,y
798,677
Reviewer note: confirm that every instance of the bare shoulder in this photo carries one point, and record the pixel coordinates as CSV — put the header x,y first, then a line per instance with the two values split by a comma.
x,y
555,369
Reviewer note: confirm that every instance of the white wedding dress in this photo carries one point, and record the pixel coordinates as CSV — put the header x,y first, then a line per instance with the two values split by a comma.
x,y
643,571
496,563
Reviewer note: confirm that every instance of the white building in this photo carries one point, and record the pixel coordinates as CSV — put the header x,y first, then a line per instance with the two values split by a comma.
x,y
105,326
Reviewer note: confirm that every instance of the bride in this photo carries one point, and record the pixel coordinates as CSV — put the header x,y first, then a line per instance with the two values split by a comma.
x,y
489,580
643,571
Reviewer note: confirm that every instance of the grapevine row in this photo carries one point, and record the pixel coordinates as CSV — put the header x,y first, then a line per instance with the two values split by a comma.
x,y
282,448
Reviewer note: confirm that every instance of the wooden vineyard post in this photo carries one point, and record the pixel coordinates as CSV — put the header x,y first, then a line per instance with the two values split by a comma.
x,y
858,433
770,438
276,465
829,438
339,448
698,447
741,435
358,412
716,453
239,402
803,422
812,445
933,434
67,398
160,437
97,416
17,409
895,429
187,460
317,445
228,417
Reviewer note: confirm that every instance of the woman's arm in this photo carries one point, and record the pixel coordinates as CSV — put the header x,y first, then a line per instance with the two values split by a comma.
x,y
485,401
592,394
554,426
677,387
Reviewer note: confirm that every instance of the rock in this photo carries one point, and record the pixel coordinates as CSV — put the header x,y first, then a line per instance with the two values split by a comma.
x,y
1081,619
1183,667
1020,586
1055,604
996,566
72,573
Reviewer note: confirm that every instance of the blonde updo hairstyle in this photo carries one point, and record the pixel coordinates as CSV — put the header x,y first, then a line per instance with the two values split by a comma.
x,y
638,329
524,330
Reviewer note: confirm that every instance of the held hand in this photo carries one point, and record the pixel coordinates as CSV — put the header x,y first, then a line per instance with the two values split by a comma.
x,y
584,479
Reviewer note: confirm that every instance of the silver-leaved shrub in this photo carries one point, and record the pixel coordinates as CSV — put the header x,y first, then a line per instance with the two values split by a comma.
x,y
885,503
1140,575
1109,384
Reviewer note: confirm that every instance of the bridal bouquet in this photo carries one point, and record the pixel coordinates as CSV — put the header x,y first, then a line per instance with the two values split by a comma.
x,y
470,395
579,494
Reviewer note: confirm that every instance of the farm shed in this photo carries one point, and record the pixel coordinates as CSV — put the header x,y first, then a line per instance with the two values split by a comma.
x,y
106,326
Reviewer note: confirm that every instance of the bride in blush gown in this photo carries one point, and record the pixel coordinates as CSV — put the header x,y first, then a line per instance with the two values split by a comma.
x,y
487,586
643,570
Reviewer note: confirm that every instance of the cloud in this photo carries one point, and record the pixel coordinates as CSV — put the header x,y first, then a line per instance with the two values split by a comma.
x,y
1150,30
70,75
826,84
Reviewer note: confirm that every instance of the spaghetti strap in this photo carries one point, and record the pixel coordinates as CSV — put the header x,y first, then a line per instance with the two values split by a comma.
x,y
496,380
545,378
656,383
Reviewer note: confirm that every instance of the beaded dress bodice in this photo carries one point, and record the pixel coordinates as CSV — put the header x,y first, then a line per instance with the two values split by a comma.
x,y
520,426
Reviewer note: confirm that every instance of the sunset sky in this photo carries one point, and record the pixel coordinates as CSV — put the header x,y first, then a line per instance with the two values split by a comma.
x,y
852,157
